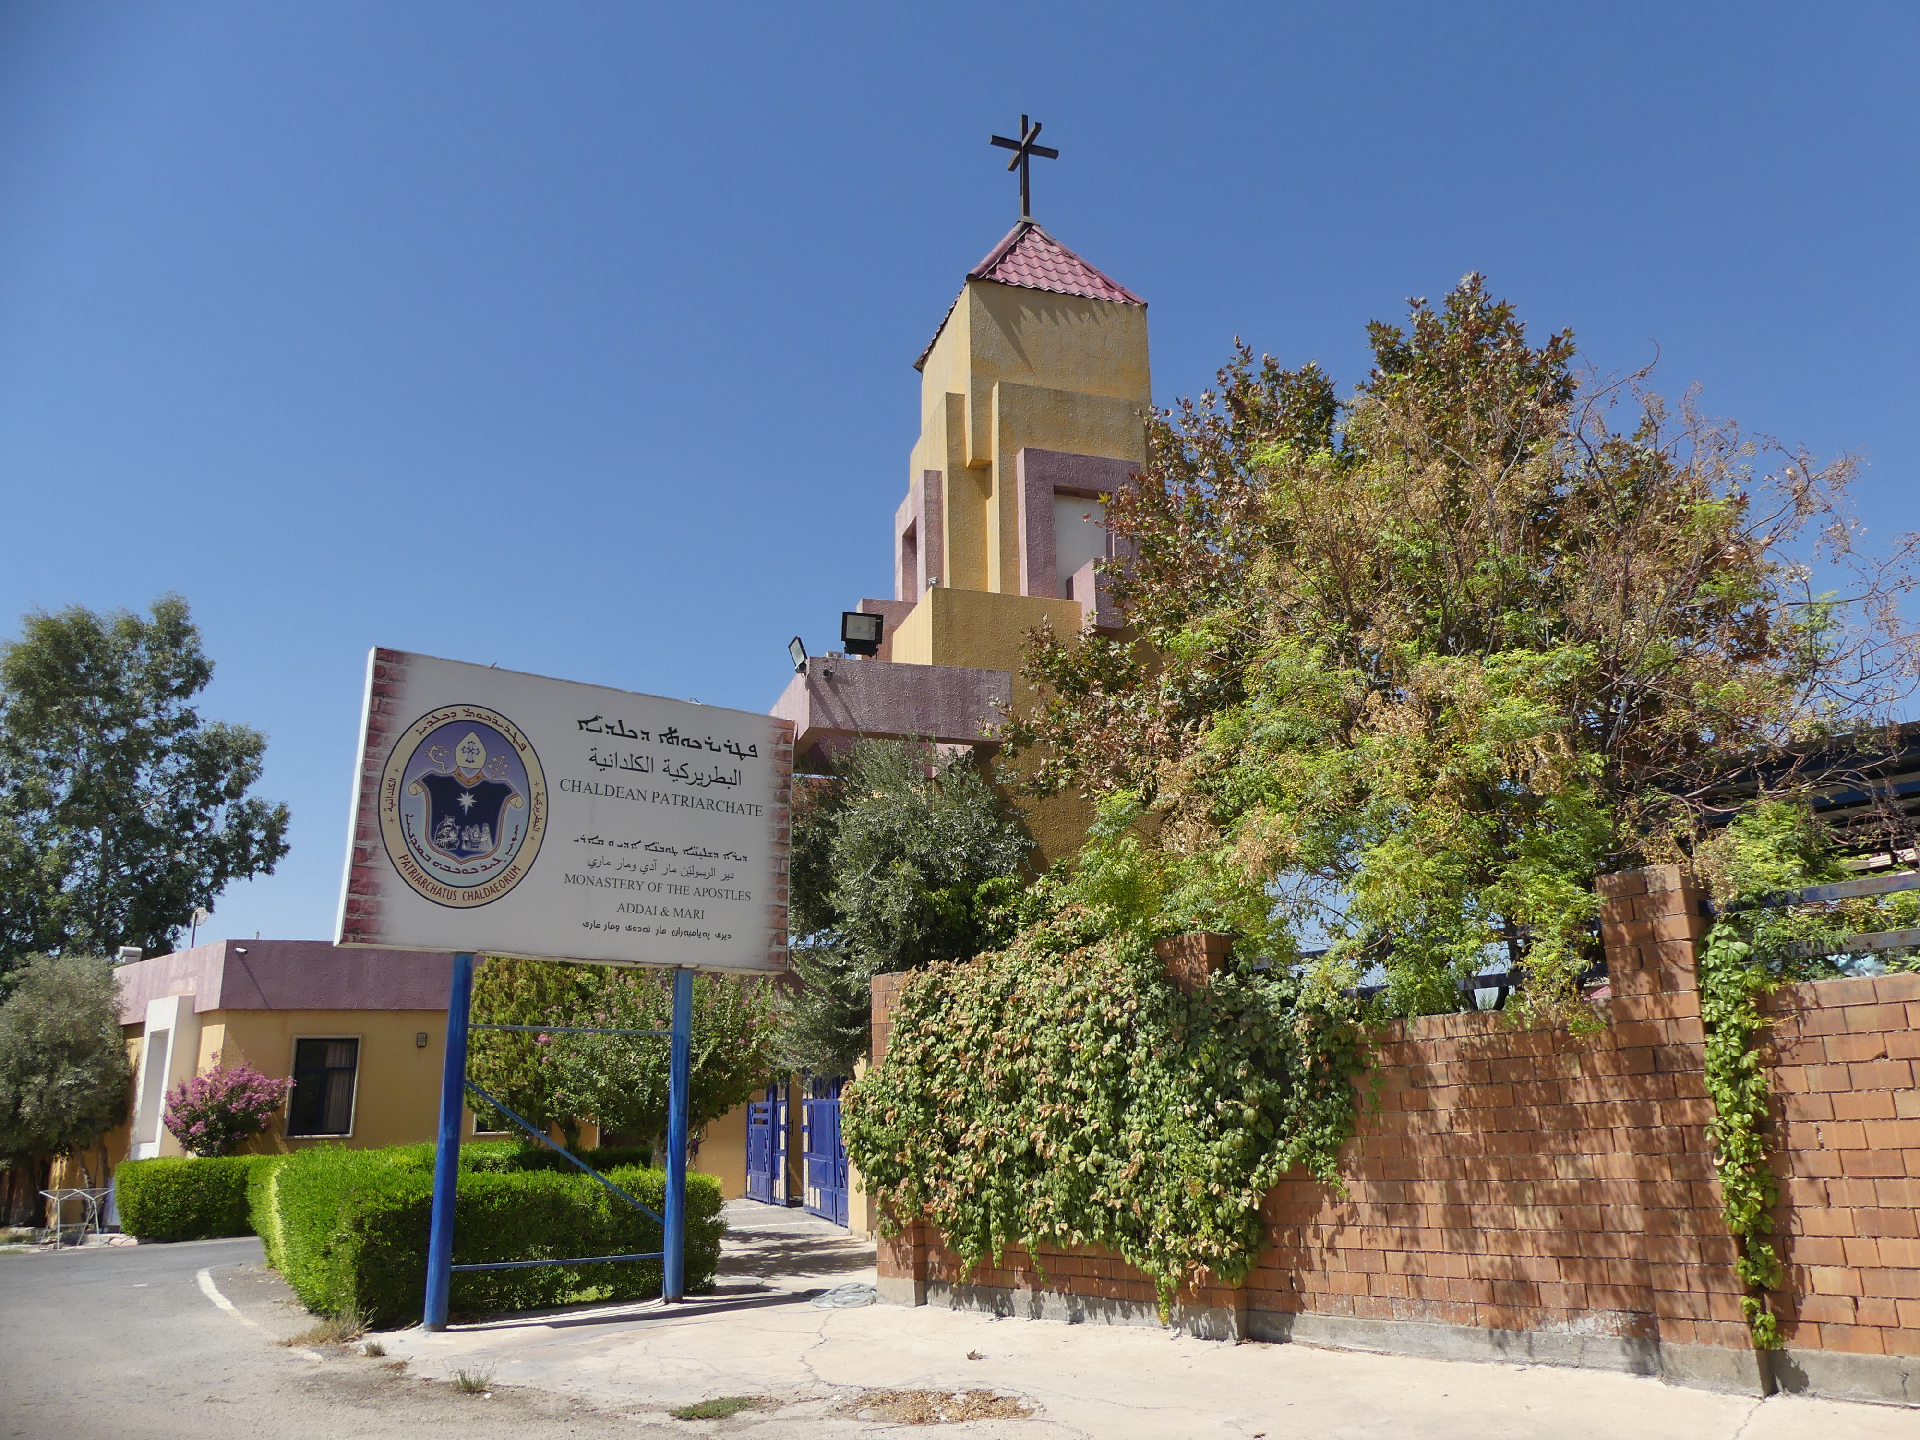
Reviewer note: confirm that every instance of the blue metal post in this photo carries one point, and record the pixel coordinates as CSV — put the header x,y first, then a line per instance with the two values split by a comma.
x,y
446,1154
673,1266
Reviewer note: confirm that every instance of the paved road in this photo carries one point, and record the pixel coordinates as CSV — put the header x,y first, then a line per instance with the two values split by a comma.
x,y
129,1344
123,1343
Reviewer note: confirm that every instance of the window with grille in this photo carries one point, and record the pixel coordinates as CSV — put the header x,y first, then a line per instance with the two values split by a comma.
x,y
323,1079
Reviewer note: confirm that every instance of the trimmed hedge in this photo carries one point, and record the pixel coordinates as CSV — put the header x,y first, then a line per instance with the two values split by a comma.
x,y
507,1155
186,1198
348,1229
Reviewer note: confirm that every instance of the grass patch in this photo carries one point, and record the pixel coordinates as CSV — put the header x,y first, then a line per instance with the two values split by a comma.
x,y
473,1382
719,1408
342,1329
375,1349
936,1407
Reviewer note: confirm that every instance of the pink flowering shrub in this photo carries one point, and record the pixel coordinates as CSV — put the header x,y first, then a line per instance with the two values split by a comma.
x,y
215,1113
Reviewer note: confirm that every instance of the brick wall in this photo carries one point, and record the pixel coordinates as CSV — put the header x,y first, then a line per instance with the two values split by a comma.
x,y
1843,1076
1528,1194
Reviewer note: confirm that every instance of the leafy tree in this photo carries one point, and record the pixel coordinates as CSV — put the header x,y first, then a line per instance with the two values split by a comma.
x,y
901,856
621,1081
1407,672
121,809
217,1113
617,1081
64,1076
513,1065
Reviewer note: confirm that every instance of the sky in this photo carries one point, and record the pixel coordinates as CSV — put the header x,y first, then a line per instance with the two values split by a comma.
x,y
579,339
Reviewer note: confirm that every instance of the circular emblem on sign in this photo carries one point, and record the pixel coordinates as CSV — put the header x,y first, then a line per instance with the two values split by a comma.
x,y
463,805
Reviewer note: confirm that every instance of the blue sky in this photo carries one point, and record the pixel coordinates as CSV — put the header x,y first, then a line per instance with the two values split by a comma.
x,y
579,338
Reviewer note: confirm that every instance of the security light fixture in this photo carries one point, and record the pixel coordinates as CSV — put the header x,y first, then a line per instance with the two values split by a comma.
x,y
420,1039
860,632
127,954
798,650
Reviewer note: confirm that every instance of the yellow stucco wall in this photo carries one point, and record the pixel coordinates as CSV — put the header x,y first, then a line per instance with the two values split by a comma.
x,y
396,1091
1015,369
723,1152
988,631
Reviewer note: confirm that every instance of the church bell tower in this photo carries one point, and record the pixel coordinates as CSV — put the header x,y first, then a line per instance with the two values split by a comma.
x,y
1034,396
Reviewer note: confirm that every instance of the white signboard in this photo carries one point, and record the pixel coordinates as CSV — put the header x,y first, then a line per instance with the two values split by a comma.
x,y
511,814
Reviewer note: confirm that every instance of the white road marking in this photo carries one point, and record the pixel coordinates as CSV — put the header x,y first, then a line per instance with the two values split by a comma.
x,y
212,1291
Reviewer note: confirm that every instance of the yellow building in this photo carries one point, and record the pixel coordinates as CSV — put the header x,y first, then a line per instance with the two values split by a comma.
x,y
1034,396
361,1033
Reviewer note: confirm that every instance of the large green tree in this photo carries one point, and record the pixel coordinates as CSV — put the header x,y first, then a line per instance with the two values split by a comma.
x,y
64,1076
1409,670
900,856
121,808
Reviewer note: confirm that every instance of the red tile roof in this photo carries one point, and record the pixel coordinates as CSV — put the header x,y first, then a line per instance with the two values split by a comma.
x,y
1031,259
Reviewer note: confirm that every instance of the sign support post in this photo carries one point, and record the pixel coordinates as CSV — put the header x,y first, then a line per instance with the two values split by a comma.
x,y
673,1265
446,1153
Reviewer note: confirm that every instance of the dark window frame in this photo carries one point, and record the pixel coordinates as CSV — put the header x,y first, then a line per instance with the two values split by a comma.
x,y
322,1074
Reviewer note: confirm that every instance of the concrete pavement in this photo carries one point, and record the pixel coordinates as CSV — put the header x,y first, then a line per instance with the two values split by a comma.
x,y
167,1342
759,1334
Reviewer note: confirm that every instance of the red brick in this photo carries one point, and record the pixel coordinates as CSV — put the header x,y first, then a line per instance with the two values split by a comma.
x,y
1833,1280
1882,1075
1844,1134
1826,1309
1863,1105
1829,1078
1893,1284
1896,1223
1893,989
1893,1134
1897,1192
1901,1254
1871,1311
1817,1250
1852,1339
1864,1250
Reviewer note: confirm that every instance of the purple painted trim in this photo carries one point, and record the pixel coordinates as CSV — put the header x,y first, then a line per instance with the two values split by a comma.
x,y
1040,475
920,512
839,701
933,528
906,517
1094,591
287,975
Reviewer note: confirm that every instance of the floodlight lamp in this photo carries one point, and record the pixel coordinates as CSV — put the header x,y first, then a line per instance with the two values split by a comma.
x,y
861,632
798,650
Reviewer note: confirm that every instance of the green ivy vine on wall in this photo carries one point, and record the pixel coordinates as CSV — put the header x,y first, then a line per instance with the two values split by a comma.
x,y
1065,1092
1757,945
1731,984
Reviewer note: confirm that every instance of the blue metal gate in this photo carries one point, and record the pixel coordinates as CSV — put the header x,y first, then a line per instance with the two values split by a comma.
x,y
826,1157
767,1147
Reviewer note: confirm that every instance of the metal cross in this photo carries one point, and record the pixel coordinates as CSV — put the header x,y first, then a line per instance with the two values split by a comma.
x,y
1022,148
